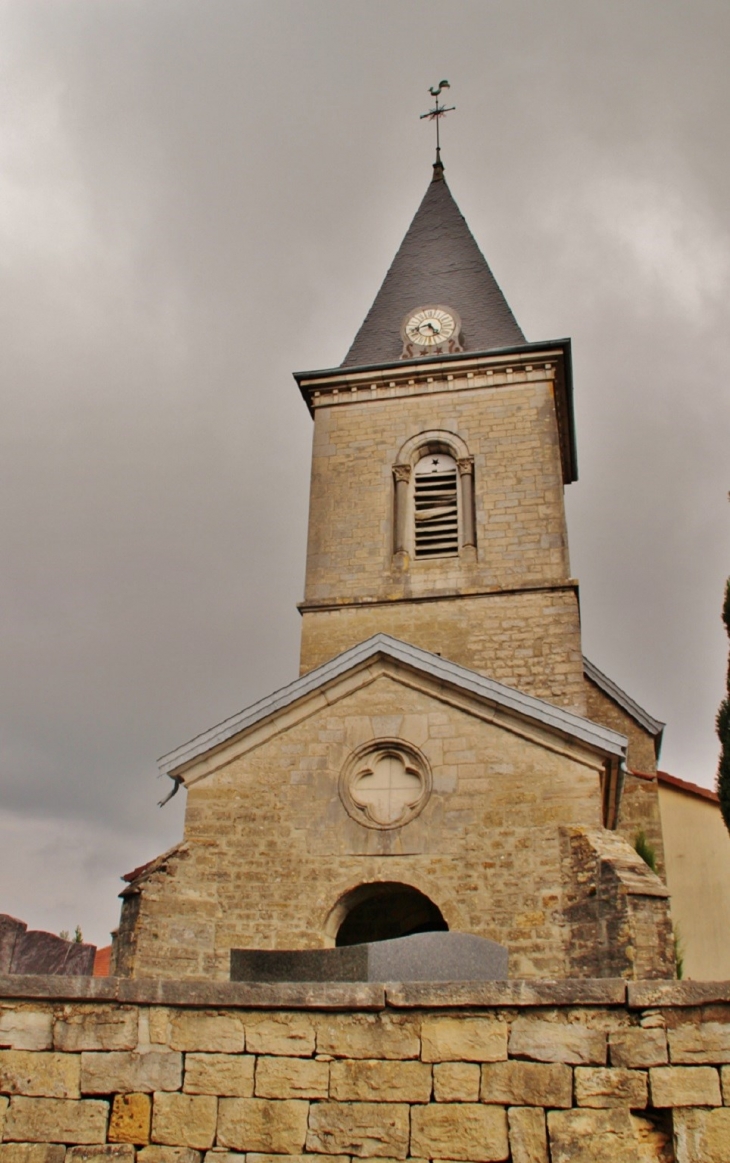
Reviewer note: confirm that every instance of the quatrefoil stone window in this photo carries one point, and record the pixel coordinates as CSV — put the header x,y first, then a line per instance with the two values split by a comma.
x,y
385,784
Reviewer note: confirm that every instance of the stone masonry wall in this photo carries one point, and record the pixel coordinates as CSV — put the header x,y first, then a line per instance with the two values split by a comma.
x,y
640,796
528,639
507,423
510,430
571,1072
270,851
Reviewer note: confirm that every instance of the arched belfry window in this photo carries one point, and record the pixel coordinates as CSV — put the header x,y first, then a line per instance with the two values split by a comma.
x,y
434,497
436,506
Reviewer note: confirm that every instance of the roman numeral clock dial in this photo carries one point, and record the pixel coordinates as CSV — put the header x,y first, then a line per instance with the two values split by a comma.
x,y
430,330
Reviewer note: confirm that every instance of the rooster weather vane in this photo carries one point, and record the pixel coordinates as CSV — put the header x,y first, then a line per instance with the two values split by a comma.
x,y
437,113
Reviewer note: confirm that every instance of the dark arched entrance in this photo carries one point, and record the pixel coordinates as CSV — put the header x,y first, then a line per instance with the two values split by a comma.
x,y
379,912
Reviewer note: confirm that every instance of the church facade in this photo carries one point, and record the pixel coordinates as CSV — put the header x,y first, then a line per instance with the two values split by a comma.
x,y
447,757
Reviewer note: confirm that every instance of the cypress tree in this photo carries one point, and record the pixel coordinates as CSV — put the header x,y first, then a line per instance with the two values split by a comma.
x,y
722,724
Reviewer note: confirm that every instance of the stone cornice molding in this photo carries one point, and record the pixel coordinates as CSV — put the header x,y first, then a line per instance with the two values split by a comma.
x,y
528,364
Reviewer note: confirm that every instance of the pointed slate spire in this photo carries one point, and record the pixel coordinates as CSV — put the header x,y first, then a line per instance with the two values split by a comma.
x,y
438,262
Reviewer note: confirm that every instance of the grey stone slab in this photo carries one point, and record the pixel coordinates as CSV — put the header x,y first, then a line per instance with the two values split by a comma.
x,y
447,957
349,963
429,957
10,930
45,953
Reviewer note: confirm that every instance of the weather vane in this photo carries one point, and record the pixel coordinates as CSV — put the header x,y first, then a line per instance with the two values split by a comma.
x,y
437,113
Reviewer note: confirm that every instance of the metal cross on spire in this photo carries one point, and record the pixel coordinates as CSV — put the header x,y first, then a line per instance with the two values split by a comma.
x,y
437,113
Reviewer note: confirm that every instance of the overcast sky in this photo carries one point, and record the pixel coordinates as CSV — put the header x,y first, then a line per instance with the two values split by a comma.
x,y
198,197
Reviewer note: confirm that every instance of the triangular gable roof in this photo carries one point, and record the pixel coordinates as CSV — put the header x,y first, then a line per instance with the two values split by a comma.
x,y
438,261
608,743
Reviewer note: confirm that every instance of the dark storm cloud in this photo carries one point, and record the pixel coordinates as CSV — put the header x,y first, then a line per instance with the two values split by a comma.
x,y
197,198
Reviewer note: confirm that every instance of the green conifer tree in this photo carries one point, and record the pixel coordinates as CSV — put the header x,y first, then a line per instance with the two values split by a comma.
x,y
723,728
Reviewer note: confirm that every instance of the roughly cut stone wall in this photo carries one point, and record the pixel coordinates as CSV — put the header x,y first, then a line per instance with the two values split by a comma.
x,y
170,1072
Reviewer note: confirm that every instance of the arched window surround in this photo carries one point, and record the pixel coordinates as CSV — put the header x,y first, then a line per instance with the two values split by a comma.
x,y
423,444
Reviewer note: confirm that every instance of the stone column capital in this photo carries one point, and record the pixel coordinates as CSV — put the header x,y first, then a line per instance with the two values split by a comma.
x,y
402,472
465,464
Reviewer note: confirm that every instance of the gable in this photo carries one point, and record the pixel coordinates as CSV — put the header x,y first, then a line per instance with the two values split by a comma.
x,y
499,715
356,667
479,772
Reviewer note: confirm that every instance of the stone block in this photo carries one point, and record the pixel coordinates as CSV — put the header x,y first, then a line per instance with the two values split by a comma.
x,y
42,1074
258,1124
102,1028
229,1075
120,1071
643,995
366,1080
653,1132
257,1157
724,1075
158,1024
451,1039
130,1120
456,1081
636,1048
459,1130
606,1086
517,992
121,1153
592,1136
527,1134
184,1120
155,1154
206,1032
705,1042
65,1120
557,1042
26,1029
291,1078
4,1103
368,1036
702,1136
32,1153
527,1084
362,1129
288,1035
673,1086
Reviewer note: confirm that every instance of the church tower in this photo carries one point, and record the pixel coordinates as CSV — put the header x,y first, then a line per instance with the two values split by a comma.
x,y
446,758
441,448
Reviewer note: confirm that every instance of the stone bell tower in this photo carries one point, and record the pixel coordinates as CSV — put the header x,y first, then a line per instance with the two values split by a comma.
x,y
442,445
432,768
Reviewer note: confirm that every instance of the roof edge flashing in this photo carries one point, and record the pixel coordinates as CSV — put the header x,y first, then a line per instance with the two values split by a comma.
x,y
594,736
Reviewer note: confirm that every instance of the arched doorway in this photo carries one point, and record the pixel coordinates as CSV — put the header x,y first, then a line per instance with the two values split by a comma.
x,y
382,911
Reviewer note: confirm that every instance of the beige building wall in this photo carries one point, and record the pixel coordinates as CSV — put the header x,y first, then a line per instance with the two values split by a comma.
x,y
697,852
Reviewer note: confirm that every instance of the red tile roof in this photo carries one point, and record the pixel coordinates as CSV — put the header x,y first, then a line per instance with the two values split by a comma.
x,y
692,789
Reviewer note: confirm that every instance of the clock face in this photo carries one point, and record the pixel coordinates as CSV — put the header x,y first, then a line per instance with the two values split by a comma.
x,y
430,326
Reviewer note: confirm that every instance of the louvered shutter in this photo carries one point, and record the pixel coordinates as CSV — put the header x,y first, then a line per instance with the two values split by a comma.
x,y
436,507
